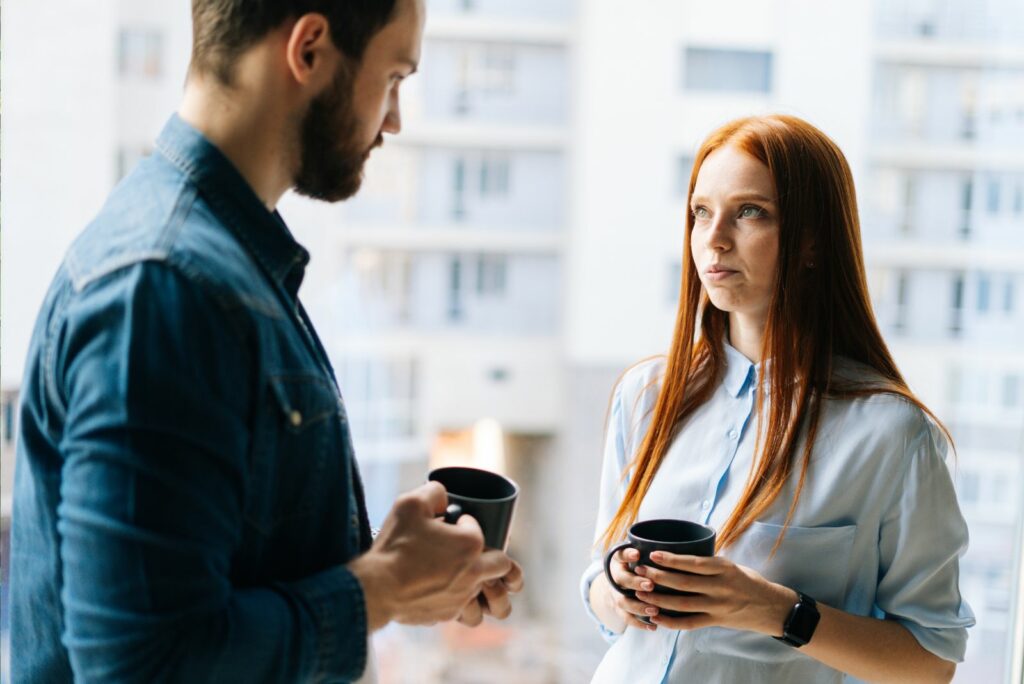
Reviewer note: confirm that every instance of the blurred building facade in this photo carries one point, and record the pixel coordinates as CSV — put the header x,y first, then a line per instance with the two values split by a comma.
x,y
518,245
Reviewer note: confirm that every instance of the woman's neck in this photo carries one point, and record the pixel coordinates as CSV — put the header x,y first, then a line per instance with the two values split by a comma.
x,y
746,335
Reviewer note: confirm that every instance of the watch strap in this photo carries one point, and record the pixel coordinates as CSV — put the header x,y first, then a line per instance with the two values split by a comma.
x,y
801,622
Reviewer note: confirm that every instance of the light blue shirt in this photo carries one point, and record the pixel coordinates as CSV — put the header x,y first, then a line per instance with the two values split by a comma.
x,y
877,530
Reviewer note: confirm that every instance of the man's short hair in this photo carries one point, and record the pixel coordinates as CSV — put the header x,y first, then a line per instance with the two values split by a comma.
x,y
223,29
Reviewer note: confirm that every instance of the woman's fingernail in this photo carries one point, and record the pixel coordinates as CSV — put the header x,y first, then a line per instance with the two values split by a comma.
x,y
652,628
651,611
646,586
640,570
657,556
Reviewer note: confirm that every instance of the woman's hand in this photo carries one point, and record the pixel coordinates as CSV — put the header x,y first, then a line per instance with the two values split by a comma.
x,y
626,608
725,595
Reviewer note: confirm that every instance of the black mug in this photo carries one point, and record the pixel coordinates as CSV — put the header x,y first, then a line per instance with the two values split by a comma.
x,y
487,496
673,536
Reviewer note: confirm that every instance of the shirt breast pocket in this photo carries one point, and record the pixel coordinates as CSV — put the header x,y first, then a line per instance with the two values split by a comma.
x,y
813,560
296,436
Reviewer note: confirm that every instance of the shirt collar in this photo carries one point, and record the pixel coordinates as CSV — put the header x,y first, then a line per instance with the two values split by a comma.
x,y
740,372
262,232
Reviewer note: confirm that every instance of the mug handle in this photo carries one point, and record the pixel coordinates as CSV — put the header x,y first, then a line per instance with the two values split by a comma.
x,y
629,593
452,513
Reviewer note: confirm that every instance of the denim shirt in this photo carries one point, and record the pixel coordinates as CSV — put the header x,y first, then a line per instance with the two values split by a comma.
x,y
877,530
185,491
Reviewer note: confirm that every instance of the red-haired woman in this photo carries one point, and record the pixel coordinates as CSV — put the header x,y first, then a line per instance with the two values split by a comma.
x,y
779,418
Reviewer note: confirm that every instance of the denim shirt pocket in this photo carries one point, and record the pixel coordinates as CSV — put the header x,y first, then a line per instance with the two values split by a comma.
x,y
812,560
295,436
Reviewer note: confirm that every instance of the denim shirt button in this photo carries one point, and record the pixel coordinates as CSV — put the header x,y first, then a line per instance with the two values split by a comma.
x,y
295,418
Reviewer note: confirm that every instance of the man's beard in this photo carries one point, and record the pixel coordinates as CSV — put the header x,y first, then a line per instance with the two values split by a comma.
x,y
330,163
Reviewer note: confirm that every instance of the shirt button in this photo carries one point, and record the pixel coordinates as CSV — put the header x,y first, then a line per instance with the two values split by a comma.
x,y
296,418
732,434
705,504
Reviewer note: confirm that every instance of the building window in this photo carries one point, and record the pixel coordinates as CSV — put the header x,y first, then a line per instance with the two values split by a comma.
x,y
684,168
747,71
970,486
128,157
8,420
992,197
956,321
491,273
485,70
1011,391
140,53
984,286
380,396
909,199
675,283
496,73
902,287
459,189
455,309
494,173
967,189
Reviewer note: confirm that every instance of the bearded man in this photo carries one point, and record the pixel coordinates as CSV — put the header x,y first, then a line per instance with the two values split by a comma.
x,y
187,504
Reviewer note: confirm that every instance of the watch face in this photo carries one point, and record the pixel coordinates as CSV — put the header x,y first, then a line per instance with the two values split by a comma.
x,y
802,622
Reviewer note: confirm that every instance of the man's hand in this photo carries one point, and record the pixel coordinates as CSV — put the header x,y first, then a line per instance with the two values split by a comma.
x,y
421,570
494,600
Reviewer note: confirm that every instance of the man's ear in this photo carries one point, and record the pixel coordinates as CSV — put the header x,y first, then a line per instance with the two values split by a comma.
x,y
310,52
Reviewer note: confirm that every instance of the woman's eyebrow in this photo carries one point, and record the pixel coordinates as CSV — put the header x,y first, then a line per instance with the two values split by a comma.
x,y
738,197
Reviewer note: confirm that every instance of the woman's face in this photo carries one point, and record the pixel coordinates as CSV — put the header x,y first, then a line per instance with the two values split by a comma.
x,y
735,237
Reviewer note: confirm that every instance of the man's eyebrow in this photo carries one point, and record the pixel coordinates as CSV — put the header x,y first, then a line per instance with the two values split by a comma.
x,y
738,197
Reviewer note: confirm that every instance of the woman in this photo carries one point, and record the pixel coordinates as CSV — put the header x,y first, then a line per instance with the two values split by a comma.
x,y
780,419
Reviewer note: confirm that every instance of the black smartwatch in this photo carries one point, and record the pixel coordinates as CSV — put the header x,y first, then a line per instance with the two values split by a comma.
x,y
801,623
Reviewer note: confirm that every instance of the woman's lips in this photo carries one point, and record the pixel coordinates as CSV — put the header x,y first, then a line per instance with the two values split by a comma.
x,y
717,273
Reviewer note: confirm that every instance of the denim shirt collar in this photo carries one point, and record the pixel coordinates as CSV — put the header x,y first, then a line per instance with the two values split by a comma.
x,y
262,232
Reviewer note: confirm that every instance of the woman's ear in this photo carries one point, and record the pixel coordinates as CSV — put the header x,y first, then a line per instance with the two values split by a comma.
x,y
808,255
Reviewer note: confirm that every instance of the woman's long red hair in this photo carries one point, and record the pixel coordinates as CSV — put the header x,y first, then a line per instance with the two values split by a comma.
x,y
820,310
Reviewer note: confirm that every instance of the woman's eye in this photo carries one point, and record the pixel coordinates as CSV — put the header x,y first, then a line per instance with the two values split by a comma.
x,y
751,212
700,212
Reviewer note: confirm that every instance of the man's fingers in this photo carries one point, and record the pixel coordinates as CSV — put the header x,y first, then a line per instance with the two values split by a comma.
x,y
430,497
492,564
472,614
513,579
496,599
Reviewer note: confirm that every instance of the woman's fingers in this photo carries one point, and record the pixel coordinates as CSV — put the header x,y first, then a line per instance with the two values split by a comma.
x,y
625,577
630,606
701,584
684,622
689,604
699,565
632,610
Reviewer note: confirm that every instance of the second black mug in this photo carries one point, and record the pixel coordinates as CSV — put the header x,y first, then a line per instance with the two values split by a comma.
x,y
673,536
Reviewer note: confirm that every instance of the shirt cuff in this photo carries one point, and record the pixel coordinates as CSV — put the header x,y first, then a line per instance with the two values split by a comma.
x,y
336,601
948,643
589,575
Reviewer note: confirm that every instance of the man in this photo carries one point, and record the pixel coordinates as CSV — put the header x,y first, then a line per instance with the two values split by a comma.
x,y
187,506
